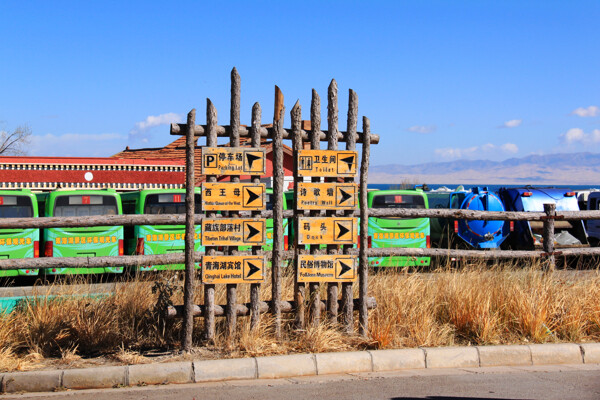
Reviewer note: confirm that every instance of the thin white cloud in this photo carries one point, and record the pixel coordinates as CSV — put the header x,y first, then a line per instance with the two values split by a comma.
x,y
577,135
152,121
510,148
422,129
470,152
513,123
591,111
77,145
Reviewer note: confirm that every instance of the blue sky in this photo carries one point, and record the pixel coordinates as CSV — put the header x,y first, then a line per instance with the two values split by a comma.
x,y
439,80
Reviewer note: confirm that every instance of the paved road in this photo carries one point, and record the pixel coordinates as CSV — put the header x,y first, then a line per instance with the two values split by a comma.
x,y
547,382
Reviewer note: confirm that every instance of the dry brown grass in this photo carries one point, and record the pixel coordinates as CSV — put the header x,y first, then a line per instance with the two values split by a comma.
x,y
474,305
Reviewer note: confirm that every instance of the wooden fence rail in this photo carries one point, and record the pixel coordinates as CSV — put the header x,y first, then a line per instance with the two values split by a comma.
x,y
179,219
224,131
264,306
179,258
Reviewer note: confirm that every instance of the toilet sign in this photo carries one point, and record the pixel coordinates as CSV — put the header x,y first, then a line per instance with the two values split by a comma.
x,y
233,161
327,163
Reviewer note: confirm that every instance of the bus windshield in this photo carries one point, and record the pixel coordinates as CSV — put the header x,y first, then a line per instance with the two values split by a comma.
x,y
15,207
398,201
85,205
269,201
169,203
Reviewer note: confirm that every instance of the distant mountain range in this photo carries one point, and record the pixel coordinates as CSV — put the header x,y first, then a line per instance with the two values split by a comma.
x,y
555,169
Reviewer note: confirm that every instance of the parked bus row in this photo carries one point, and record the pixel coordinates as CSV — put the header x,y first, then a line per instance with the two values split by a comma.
x,y
383,231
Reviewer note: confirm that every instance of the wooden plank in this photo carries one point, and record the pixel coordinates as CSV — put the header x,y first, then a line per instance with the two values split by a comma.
x,y
548,236
190,183
327,163
297,144
332,144
176,311
227,196
223,131
209,290
347,290
278,178
363,266
255,287
233,269
233,232
327,268
335,230
234,141
179,219
327,196
233,161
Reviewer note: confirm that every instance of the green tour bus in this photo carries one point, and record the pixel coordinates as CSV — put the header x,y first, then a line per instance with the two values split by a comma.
x,y
159,239
398,232
19,242
93,241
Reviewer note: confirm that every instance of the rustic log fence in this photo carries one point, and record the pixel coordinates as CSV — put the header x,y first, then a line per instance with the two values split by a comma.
x,y
299,137
179,258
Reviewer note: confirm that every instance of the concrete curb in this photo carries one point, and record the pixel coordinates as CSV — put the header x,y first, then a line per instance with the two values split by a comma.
x,y
300,365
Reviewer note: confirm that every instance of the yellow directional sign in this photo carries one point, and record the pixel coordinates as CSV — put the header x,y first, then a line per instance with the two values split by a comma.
x,y
233,232
328,163
233,196
233,269
334,230
326,268
233,161
327,196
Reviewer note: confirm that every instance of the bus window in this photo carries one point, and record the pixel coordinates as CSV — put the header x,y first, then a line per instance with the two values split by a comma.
x,y
398,201
84,206
15,207
169,203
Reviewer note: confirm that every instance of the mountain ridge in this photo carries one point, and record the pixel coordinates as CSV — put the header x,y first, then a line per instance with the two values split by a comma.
x,y
558,168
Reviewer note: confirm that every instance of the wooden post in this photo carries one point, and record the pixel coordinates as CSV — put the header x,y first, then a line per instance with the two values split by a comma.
x,y
363,266
332,144
548,236
315,144
209,290
347,303
297,145
190,265
234,141
255,287
278,175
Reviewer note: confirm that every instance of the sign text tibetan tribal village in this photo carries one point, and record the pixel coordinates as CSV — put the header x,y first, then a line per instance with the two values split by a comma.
x,y
233,232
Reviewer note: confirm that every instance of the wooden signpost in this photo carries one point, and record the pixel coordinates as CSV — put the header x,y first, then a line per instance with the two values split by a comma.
x,y
327,163
326,268
337,230
233,269
225,196
327,196
233,161
233,231
323,212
